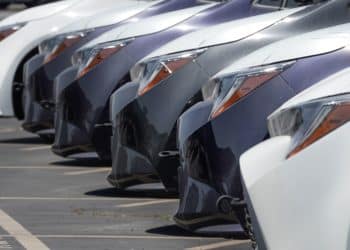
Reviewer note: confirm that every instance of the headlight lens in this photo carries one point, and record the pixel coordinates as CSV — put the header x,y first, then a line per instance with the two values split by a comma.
x,y
9,30
310,121
229,89
89,58
151,72
55,46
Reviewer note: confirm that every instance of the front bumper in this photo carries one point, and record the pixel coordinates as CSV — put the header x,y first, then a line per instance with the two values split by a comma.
x,y
144,127
308,193
39,84
81,119
39,107
199,213
123,178
70,139
209,154
136,169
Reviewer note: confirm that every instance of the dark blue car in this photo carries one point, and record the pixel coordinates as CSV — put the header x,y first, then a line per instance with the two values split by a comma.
x,y
82,121
214,133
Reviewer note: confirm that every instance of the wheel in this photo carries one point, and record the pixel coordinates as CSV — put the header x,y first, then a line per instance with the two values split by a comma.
x,y
18,100
23,99
48,138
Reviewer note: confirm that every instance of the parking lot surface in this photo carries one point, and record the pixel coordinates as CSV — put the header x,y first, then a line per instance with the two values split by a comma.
x,y
47,202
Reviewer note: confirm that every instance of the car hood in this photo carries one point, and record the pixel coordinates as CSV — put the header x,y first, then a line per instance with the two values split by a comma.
x,y
223,33
78,16
333,85
38,12
309,44
149,25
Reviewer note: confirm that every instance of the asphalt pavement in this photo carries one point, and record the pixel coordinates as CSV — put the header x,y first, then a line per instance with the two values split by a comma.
x,y
59,203
47,202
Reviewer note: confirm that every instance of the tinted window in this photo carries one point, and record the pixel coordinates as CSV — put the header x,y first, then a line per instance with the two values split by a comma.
x,y
274,3
292,3
296,3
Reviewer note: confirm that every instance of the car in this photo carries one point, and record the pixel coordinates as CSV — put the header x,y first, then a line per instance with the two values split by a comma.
x,y
34,26
144,112
214,133
55,56
298,177
82,123
28,3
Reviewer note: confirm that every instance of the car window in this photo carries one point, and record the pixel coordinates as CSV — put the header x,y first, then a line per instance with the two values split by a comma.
x,y
216,1
296,3
293,3
272,3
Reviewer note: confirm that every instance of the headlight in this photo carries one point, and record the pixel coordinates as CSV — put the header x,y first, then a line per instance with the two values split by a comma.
x,y
88,58
56,45
310,121
9,30
151,72
228,90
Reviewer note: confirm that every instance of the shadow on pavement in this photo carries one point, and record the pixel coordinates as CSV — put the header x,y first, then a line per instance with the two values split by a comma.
x,y
114,192
174,230
25,140
83,162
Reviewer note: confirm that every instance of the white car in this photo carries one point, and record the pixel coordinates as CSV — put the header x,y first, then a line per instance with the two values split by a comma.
x,y
297,182
21,33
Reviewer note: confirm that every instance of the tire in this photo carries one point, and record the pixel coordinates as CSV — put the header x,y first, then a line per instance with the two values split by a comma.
x,y
48,138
